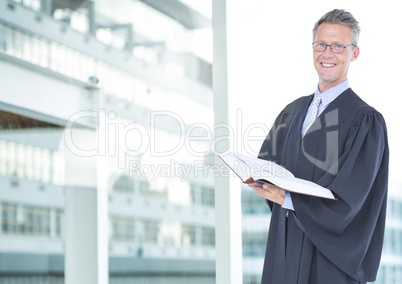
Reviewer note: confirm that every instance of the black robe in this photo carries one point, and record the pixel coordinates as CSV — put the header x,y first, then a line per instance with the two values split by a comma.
x,y
329,241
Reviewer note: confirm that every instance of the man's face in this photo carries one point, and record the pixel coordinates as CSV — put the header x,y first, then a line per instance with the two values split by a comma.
x,y
332,68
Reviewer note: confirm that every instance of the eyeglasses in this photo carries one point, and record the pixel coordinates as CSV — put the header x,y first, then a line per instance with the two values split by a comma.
x,y
335,47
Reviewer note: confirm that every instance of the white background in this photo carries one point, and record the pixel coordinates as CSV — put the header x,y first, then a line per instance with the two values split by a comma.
x,y
274,62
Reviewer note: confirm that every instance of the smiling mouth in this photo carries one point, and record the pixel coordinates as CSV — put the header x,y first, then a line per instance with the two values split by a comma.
x,y
328,65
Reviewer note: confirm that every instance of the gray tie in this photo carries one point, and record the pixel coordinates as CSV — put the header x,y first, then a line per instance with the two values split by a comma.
x,y
313,113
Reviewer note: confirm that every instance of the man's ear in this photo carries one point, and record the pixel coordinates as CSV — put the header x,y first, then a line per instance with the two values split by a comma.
x,y
356,53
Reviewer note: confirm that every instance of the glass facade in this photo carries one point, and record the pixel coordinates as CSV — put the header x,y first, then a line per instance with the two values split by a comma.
x,y
146,89
27,162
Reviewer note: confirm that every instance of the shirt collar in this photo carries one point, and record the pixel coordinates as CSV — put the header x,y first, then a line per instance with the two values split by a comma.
x,y
332,93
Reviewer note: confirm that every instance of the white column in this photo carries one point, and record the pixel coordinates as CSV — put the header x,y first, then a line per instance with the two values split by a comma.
x,y
86,249
102,198
228,230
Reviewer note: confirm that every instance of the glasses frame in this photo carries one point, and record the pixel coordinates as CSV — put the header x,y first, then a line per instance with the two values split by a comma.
x,y
330,47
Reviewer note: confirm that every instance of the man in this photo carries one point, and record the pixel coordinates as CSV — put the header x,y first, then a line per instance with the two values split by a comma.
x,y
314,240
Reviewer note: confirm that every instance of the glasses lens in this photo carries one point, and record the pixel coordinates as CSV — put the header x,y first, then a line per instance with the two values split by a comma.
x,y
337,48
319,46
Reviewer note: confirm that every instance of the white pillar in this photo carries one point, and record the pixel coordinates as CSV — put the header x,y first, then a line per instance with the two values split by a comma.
x,y
102,182
228,230
86,248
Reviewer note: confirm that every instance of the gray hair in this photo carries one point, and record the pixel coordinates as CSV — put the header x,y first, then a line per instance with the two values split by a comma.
x,y
340,17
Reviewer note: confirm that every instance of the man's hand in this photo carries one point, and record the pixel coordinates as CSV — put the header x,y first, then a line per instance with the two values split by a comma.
x,y
270,192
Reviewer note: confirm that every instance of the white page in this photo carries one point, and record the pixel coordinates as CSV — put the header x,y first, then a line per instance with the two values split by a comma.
x,y
259,169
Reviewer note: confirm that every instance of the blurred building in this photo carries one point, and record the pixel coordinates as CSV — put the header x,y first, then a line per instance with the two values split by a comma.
x,y
95,99
70,70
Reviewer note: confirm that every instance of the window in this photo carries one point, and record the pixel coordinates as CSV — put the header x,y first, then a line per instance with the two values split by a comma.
x,y
25,220
122,229
252,203
207,196
32,163
59,217
151,232
254,243
188,235
9,219
3,158
208,237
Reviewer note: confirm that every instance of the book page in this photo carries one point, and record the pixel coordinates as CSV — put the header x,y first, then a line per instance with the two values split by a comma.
x,y
256,171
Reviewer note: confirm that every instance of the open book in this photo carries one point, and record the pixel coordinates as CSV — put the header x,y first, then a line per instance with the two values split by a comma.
x,y
255,171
